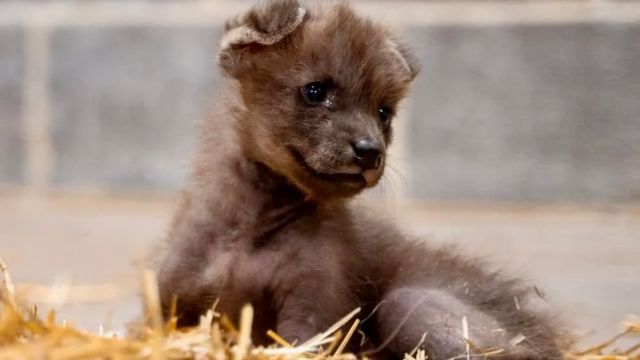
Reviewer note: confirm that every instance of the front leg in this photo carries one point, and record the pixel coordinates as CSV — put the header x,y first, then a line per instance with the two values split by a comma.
x,y
308,304
181,278
409,314
195,268
297,319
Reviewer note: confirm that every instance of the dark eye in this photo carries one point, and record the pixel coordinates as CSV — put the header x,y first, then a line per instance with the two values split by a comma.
x,y
315,92
384,113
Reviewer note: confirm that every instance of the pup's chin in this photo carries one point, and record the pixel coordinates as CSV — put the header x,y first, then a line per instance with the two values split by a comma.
x,y
322,186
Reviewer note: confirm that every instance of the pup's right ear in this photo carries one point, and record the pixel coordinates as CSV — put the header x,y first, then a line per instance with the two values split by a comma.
x,y
264,25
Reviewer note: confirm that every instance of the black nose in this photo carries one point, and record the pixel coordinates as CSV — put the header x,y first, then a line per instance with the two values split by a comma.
x,y
368,153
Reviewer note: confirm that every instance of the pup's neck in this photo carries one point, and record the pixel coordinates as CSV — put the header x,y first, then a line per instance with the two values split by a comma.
x,y
245,198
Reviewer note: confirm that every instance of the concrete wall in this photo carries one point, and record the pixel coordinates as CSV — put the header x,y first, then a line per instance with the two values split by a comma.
x,y
12,145
124,103
518,101
527,112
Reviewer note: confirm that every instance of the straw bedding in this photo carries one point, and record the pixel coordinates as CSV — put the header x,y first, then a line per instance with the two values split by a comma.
x,y
24,334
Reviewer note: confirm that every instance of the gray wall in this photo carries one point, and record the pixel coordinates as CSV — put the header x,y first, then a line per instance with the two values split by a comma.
x,y
515,111
11,138
538,113
125,103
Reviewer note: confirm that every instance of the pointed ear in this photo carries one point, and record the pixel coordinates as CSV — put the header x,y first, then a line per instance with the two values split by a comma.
x,y
264,25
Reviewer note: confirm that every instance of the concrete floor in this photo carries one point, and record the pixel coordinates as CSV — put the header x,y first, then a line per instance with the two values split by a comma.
x,y
586,260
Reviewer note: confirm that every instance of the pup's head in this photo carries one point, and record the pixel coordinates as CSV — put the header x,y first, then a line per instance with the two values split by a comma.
x,y
321,87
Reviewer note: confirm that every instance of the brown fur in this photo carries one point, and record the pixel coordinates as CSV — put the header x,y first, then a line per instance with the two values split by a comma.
x,y
266,220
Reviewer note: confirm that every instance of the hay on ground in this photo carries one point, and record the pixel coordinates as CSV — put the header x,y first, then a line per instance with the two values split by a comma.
x,y
24,334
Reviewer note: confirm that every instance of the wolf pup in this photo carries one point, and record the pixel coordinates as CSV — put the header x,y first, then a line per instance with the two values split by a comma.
x,y
266,219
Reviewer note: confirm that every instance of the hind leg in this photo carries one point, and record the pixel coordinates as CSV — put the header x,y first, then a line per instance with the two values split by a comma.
x,y
409,313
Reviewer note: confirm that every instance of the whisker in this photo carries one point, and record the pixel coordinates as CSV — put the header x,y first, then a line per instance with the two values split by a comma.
x,y
403,179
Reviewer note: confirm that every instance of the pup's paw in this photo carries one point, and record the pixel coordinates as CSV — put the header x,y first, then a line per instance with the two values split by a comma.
x,y
448,327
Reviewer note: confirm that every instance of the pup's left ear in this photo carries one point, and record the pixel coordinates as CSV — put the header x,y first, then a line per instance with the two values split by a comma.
x,y
266,24
405,57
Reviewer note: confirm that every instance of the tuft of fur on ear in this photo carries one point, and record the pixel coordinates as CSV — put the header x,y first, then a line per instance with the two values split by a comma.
x,y
266,24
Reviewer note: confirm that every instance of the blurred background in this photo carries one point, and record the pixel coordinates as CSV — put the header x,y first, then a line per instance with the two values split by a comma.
x,y
520,142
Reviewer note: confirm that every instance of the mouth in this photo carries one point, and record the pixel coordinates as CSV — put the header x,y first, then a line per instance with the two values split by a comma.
x,y
356,180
